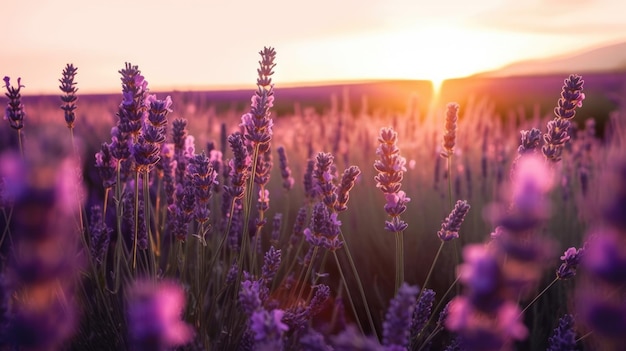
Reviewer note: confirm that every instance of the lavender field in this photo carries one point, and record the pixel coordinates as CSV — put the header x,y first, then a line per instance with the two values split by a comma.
x,y
376,216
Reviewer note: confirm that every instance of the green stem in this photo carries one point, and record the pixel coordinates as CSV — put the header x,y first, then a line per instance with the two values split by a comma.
x,y
136,220
399,260
345,283
359,284
584,336
538,296
432,267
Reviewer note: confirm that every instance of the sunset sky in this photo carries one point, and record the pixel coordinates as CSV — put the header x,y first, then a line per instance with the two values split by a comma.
x,y
190,44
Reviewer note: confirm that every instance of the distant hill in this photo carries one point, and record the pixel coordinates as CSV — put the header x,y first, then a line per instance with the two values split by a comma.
x,y
609,58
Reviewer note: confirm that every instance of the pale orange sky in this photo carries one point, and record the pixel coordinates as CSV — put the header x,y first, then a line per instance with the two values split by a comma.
x,y
205,43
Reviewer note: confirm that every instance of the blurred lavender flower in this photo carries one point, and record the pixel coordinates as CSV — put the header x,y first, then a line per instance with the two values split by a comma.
x,y
298,226
449,137
310,190
352,340
313,341
250,296
600,299
563,338
285,171
399,316
268,329
15,110
153,312
44,261
452,224
485,332
69,99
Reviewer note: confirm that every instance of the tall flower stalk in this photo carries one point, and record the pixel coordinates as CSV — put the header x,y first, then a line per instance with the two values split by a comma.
x,y
391,168
258,132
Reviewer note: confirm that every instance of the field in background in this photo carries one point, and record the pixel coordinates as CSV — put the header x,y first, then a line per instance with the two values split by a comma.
x,y
345,120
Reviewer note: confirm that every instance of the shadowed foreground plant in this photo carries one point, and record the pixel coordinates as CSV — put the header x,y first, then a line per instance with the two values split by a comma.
x,y
600,299
153,313
43,268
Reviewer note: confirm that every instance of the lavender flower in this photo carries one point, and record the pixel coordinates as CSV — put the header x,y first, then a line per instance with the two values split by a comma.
x,y
309,185
449,137
324,175
452,224
351,340
324,229
399,316
313,341
257,123
132,110
285,171
69,99
558,128
347,183
530,140
571,97
571,258
268,329
391,168
153,312
563,338
100,234
179,137
276,227
203,177
249,296
421,313
238,165
106,165
298,226
15,110
271,263
478,331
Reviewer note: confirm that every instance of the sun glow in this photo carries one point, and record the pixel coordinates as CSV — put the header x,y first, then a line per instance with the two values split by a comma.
x,y
434,52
